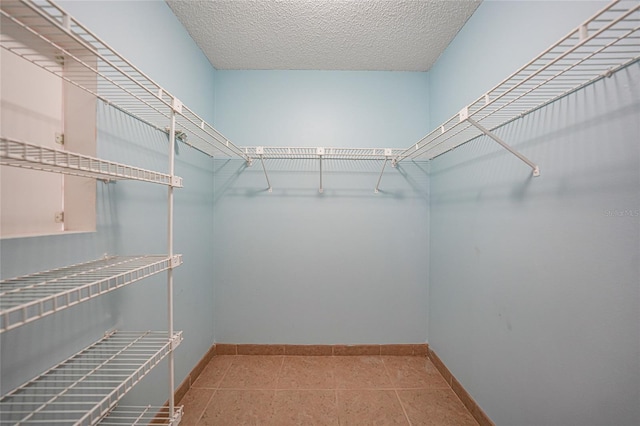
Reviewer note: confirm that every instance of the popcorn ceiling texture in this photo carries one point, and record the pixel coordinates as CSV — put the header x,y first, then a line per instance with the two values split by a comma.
x,y
401,35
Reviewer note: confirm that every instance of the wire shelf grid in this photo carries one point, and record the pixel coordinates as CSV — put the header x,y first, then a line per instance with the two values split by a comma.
x,y
36,157
87,386
44,34
28,298
134,416
605,43
272,152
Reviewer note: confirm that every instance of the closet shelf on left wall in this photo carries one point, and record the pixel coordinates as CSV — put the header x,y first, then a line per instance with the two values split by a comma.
x,y
36,157
134,416
28,298
69,50
87,386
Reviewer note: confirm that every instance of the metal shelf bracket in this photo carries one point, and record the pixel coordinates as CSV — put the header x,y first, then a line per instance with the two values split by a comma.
x,y
176,261
176,105
176,340
260,152
534,167
387,153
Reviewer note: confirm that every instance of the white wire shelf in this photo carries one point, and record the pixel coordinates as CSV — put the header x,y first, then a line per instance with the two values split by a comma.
x,y
87,386
327,153
44,34
30,156
134,416
605,43
28,298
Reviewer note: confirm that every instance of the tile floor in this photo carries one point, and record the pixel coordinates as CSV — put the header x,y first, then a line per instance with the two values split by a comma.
x,y
318,390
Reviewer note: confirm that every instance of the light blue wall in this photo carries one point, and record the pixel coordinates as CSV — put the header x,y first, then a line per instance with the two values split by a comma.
x,y
322,108
534,282
296,266
132,216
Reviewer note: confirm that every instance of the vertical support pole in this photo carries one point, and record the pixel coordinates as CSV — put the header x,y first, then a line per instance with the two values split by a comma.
x,y
320,153
380,178
176,106
321,189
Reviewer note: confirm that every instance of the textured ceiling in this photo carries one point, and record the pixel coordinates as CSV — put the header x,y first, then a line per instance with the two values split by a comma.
x,y
397,35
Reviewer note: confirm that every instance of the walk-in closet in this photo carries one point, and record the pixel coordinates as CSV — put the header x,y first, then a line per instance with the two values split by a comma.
x,y
320,212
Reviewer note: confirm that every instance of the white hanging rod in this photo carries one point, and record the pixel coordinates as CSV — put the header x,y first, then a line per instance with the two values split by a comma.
x,y
603,44
78,56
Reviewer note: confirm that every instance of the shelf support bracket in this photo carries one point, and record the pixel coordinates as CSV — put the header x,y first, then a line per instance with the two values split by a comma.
x,y
260,151
534,167
320,153
387,155
380,177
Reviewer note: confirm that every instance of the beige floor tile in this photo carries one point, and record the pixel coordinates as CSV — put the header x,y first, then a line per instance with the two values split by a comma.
x,y
305,408
360,372
435,407
252,372
370,407
195,401
214,372
301,390
307,372
238,407
413,372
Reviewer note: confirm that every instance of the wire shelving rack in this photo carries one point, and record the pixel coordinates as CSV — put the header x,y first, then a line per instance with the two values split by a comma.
x,y
602,45
36,157
147,415
28,298
44,34
84,388
328,153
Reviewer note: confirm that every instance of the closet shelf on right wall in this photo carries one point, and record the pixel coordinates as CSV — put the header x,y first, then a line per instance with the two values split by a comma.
x,y
602,45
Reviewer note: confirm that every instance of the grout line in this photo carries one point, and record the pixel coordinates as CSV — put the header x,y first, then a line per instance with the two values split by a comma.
x,y
215,391
402,406
386,369
280,370
335,391
224,375
395,390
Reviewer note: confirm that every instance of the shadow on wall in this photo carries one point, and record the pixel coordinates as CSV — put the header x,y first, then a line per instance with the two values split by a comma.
x,y
225,174
125,139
